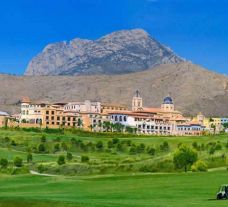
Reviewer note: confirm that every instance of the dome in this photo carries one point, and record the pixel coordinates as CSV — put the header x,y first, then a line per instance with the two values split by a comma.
x,y
168,100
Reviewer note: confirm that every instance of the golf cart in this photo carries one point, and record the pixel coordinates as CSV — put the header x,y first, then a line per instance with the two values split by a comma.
x,y
223,192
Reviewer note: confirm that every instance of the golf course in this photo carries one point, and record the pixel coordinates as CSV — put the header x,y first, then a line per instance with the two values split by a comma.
x,y
160,190
82,169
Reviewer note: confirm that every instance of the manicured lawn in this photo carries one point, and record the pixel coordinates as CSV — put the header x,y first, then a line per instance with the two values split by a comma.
x,y
160,190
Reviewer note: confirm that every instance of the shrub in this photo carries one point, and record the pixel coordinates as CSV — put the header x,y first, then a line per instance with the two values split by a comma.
x,y
4,162
151,151
43,138
69,156
13,143
41,168
199,166
140,148
18,161
164,146
61,160
29,157
110,144
64,146
56,147
133,150
99,145
115,140
84,158
41,148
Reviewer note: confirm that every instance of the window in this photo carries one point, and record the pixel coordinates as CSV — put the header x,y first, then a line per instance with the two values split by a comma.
x,y
125,118
68,118
47,112
116,118
52,112
58,118
52,118
120,118
47,117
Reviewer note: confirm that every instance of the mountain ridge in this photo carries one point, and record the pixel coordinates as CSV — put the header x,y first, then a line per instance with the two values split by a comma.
x,y
193,88
119,52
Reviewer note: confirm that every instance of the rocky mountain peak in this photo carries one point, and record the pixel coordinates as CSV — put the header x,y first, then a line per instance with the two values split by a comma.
x,y
120,52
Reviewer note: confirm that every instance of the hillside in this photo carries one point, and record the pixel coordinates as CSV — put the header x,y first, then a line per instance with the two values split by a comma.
x,y
193,88
120,52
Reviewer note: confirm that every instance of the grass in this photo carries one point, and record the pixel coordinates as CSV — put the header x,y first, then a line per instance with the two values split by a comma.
x,y
115,188
160,190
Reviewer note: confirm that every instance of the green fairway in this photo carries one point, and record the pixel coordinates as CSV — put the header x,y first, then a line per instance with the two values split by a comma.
x,y
113,176
160,190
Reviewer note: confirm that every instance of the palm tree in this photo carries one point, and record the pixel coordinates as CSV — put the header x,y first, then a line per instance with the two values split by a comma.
x,y
80,123
213,127
100,125
106,126
91,127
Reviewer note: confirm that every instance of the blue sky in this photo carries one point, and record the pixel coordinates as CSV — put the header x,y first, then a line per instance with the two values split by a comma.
x,y
194,29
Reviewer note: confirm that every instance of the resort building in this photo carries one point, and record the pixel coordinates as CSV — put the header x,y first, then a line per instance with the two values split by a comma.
x,y
142,123
95,116
107,107
86,106
190,129
3,118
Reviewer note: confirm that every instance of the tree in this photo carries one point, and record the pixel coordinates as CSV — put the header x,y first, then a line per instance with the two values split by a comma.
x,y
91,127
106,126
99,145
225,125
151,151
69,156
110,144
84,158
213,126
61,160
56,147
43,139
80,123
164,146
100,125
184,157
41,148
29,157
4,162
18,161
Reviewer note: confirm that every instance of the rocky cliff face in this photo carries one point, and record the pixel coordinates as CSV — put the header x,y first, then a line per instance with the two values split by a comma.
x,y
116,53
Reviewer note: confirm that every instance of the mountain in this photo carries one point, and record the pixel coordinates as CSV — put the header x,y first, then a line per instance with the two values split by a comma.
x,y
120,52
193,88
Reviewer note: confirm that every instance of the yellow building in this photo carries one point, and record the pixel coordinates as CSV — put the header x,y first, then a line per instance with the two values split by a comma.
x,y
3,118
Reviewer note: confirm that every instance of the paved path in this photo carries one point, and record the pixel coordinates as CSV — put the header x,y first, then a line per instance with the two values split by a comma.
x,y
40,174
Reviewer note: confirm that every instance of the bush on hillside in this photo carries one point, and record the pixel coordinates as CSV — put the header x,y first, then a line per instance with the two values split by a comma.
x,y
84,158
69,156
29,157
199,166
61,160
4,163
18,161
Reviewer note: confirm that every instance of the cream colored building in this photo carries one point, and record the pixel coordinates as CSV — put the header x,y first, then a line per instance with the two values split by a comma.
x,y
3,118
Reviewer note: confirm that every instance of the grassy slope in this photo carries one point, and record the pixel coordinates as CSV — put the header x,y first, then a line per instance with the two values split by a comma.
x,y
173,190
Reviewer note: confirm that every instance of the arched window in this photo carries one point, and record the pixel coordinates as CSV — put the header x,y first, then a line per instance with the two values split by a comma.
x,y
125,118
120,118
116,118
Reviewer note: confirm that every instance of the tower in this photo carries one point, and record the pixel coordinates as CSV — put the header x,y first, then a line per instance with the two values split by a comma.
x,y
136,101
167,104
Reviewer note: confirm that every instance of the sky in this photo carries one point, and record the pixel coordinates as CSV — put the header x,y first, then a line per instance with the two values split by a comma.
x,y
195,29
